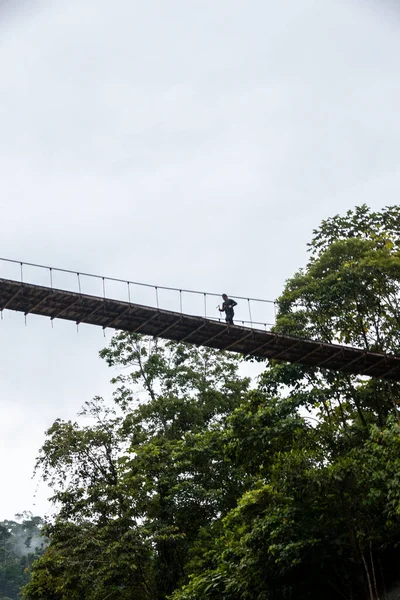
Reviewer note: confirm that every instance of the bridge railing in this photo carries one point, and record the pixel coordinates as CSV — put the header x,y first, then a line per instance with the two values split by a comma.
x,y
250,312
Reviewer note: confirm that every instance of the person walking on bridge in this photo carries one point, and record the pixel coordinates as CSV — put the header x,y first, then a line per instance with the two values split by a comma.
x,y
227,307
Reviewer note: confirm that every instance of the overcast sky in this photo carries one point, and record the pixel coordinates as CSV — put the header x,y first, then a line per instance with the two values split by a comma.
x,y
190,143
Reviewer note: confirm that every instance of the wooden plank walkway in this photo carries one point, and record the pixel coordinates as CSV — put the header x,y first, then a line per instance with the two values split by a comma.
x,y
108,313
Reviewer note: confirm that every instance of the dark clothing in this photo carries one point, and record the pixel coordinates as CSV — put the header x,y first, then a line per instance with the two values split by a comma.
x,y
227,308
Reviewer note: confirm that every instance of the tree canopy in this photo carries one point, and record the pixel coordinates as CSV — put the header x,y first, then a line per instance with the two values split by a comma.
x,y
195,483
21,544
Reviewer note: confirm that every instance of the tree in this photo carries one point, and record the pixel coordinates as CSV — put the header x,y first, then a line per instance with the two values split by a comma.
x,y
21,543
321,517
349,291
136,486
197,486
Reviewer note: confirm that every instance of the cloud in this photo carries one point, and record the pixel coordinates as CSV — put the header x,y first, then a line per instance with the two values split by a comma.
x,y
191,144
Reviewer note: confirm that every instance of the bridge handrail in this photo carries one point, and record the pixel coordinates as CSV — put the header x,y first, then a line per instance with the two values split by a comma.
x,y
125,281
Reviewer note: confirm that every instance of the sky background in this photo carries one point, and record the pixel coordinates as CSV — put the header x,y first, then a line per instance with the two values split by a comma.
x,y
188,143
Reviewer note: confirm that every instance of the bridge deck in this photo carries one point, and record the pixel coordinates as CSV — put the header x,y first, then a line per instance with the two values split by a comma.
x,y
104,312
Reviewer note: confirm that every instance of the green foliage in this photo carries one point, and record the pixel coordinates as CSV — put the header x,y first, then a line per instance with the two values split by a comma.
x,y
196,486
21,544
349,291
309,528
137,485
322,516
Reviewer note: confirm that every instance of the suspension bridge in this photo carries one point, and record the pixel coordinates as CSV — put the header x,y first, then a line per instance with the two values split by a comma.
x,y
174,314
